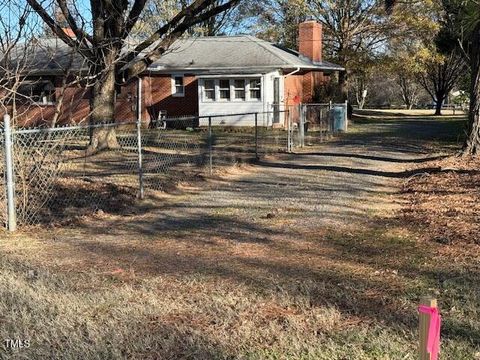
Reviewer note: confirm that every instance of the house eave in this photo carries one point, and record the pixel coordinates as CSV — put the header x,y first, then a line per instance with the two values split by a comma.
x,y
241,70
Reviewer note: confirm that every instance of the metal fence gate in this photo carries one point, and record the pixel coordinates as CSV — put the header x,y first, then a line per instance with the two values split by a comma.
x,y
312,124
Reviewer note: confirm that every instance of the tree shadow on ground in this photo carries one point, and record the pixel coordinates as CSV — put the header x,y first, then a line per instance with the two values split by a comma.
x,y
210,238
375,158
391,174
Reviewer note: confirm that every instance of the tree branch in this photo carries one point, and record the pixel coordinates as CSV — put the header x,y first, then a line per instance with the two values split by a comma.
x,y
79,33
191,16
57,29
135,13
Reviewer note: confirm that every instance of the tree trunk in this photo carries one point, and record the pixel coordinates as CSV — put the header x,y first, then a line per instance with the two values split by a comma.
x,y
343,85
407,102
472,142
103,111
439,103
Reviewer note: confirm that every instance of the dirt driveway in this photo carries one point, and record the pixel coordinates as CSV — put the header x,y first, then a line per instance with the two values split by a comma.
x,y
339,183
298,256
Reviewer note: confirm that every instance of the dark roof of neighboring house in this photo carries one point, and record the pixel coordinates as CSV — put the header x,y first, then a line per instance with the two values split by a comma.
x,y
219,54
233,53
47,55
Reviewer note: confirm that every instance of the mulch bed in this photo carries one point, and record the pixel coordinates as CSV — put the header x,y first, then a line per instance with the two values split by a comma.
x,y
445,204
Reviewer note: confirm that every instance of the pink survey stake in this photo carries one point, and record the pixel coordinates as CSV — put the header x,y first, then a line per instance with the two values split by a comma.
x,y
433,341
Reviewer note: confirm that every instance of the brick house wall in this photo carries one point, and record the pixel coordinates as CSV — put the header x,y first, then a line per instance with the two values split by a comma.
x,y
302,87
75,108
157,92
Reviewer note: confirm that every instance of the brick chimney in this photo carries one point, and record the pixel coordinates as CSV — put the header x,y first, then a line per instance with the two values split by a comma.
x,y
62,21
310,40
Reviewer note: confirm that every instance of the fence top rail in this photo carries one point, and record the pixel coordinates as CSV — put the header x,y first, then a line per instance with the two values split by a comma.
x,y
242,114
70,127
122,123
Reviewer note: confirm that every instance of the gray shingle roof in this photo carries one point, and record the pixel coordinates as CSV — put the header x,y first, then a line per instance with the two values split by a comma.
x,y
241,54
47,55
233,53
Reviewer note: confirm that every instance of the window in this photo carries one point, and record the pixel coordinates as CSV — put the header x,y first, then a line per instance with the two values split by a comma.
x,y
224,89
38,91
239,86
233,89
255,89
209,86
178,88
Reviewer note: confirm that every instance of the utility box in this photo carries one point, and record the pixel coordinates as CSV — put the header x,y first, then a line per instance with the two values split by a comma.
x,y
339,118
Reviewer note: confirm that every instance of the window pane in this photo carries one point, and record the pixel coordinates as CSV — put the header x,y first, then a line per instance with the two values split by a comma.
x,y
255,83
225,89
255,89
209,85
240,94
224,84
239,84
255,94
179,81
224,94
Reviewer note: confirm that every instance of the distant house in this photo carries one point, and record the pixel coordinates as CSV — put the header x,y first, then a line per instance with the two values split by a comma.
x,y
199,76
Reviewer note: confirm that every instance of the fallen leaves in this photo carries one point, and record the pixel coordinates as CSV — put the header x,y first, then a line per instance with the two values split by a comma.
x,y
446,203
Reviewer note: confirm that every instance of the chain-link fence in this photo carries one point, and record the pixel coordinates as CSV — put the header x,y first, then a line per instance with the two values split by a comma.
x,y
312,124
61,174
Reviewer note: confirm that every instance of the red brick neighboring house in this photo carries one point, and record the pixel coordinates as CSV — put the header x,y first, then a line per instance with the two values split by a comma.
x,y
197,76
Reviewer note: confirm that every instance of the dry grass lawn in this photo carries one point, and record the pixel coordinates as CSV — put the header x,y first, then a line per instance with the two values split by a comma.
x,y
186,276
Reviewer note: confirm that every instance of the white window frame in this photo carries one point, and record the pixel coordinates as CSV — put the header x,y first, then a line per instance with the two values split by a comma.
x,y
234,89
174,86
232,98
259,89
219,98
215,90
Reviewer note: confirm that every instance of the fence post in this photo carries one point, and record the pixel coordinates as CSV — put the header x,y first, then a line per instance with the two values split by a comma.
x,y
11,211
289,135
301,130
424,325
139,138
256,136
210,145
330,118
346,115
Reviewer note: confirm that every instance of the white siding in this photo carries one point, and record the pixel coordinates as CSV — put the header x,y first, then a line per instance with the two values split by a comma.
x,y
206,107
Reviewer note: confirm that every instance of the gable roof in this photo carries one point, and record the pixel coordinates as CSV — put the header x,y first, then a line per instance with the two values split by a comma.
x,y
219,54
227,53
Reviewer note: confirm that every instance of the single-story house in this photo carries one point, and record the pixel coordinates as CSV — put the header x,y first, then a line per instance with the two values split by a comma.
x,y
197,76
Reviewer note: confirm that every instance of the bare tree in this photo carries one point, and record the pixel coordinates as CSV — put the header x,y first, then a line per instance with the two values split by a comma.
x,y
440,77
353,28
112,61
463,17
15,52
160,11
409,89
